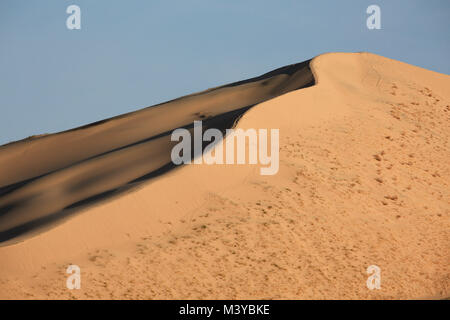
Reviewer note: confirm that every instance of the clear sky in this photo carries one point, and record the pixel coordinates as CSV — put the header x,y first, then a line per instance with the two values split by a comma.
x,y
131,54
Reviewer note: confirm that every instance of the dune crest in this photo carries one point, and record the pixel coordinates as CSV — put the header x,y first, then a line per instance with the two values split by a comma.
x,y
363,180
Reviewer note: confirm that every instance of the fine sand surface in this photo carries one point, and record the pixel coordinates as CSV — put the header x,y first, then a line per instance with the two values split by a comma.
x,y
363,180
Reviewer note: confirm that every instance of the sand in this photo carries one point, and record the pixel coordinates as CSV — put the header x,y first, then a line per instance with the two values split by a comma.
x,y
363,180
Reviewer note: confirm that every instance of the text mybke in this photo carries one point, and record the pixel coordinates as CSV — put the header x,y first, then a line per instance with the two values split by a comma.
x,y
214,152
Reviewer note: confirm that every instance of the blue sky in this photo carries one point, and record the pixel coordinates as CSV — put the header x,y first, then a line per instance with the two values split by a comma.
x,y
135,53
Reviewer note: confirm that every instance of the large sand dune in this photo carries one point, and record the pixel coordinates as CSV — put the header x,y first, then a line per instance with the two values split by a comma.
x,y
363,180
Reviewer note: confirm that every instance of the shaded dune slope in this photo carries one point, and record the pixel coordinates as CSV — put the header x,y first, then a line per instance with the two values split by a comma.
x,y
46,178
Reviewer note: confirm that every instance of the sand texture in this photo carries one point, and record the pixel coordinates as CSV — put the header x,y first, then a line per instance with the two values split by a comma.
x,y
363,180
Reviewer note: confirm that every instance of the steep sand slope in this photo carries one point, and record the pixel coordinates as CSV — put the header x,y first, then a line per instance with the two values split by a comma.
x,y
363,180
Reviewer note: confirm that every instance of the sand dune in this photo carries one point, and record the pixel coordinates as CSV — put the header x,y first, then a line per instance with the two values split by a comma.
x,y
363,181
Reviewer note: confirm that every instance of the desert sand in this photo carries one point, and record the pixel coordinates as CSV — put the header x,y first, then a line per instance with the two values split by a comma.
x,y
363,180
